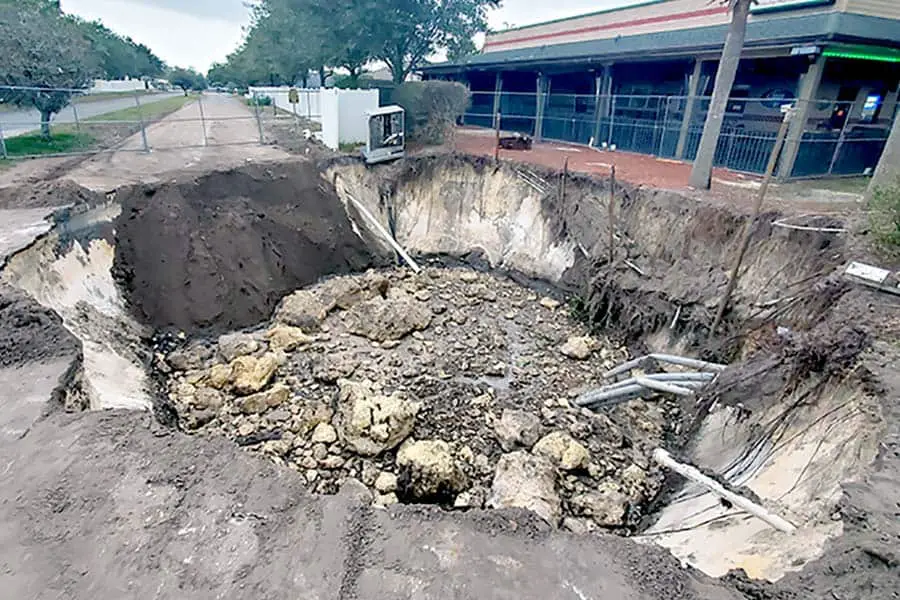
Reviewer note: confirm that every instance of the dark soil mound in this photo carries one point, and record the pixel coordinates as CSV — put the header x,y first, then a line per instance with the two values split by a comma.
x,y
218,252
30,332
47,194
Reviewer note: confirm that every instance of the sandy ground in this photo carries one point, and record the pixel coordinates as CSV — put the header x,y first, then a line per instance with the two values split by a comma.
x,y
176,143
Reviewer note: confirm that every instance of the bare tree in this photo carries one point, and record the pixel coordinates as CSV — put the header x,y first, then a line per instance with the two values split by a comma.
x,y
45,58
701,174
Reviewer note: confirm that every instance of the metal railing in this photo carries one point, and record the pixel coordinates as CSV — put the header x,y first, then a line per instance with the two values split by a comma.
x,y
835,138
126,123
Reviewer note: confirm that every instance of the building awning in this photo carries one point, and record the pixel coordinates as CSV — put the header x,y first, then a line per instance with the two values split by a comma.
x,y
819,29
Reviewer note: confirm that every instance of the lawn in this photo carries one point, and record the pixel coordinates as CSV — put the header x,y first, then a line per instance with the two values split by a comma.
x,y
103,131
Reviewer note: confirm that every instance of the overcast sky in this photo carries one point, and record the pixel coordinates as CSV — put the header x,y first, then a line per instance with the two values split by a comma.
x,y
196,33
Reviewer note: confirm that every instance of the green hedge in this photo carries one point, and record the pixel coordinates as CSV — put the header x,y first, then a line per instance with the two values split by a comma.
x,y
432,108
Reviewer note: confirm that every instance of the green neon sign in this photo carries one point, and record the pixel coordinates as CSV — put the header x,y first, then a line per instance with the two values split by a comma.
x,y
873,53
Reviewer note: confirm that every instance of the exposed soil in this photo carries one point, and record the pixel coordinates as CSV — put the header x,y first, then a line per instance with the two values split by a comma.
x,y
30,332
219,251
46,194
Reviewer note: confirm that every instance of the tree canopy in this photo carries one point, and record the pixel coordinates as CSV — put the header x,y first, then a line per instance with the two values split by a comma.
x,y
120,57
287,38
187,79
40,49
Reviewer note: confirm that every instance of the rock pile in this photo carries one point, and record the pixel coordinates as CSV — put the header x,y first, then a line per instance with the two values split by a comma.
x,y
449,386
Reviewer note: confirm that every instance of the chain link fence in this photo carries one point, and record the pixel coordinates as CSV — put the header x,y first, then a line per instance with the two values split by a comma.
x,y
128,122
831,138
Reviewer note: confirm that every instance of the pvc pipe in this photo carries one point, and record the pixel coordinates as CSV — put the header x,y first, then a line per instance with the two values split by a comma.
x,y
667,358
661,386
384,233
663,458
679,377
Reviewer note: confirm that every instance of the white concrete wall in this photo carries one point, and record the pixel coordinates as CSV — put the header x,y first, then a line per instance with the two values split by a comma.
x,y
103,86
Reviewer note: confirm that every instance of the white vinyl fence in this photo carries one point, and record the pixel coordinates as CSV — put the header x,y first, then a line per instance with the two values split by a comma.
x,y
342,113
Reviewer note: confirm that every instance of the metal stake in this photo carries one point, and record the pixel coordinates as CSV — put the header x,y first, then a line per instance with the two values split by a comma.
x,y
137,101
77,122
497,135
3,144
262,138
203,120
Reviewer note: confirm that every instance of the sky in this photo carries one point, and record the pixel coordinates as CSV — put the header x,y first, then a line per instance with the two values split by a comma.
x,y
196,33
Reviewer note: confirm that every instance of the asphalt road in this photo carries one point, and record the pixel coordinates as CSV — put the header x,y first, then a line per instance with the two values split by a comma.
x,y
22,121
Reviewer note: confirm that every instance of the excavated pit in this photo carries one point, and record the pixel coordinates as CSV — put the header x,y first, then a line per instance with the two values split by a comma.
x,y
449,385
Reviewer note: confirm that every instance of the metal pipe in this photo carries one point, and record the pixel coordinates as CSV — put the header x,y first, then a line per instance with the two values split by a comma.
x,y
663,458
661,386
631,387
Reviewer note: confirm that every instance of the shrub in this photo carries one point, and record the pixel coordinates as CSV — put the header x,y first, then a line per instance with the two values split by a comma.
x,y
259,101
432,108
884,217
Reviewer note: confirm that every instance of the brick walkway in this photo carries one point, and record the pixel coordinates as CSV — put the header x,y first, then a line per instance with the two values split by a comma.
x,y
637,169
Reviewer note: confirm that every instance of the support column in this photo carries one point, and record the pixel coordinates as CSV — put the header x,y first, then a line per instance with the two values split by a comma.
x,y
693,90
543,85
498,89
602,94
807,94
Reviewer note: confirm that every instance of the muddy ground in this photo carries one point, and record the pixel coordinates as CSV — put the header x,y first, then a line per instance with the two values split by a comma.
x,y
205,516
218,252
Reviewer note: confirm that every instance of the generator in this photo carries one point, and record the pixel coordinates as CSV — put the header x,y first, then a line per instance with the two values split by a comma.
x,y
387,135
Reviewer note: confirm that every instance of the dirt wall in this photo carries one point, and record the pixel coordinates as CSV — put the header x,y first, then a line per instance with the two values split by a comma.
x,y
218,252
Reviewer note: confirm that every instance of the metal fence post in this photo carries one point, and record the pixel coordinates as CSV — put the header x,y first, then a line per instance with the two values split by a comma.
x,y
202,120
137,101
841,138
262,138
612,120
3,143
662,137
77,122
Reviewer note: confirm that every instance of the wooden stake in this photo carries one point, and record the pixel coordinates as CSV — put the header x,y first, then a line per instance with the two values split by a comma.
x,y
748,226
612,215
497,138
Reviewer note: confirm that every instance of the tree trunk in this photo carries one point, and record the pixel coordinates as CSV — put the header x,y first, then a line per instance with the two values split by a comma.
x,y
701,174
322,77
888,170
46,115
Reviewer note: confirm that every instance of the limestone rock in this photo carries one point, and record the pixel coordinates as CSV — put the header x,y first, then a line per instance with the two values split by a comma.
x,y
234,345
473,498
259,403
286,338
386,482
302,309
429,471
578,348
371,423
523,480
208,398
324,433
188,358
550,303
354,489
606,506
311,414
563,450
197,419
218,376
579,526
329,368
250,374
387,499
468,276
345,293
517,428
380,320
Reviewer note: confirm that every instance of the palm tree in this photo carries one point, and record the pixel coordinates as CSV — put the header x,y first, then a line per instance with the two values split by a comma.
x,y
701,174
